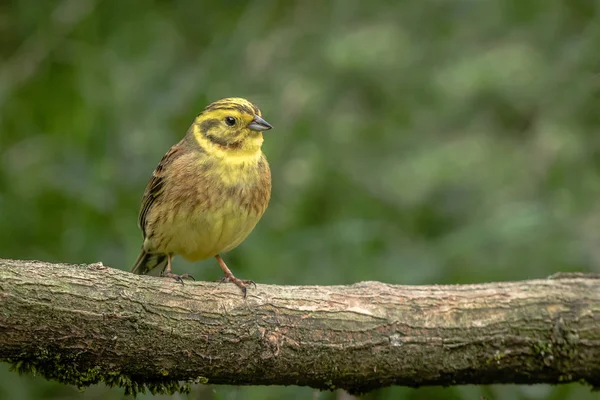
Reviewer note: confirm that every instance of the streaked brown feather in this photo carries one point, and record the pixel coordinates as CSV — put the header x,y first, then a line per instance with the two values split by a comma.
x,y
156,184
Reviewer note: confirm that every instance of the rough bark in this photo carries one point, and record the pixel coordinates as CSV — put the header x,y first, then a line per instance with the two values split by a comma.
x,y
83,324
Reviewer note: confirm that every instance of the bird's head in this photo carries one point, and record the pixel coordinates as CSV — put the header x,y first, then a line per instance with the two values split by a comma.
x,y
233,125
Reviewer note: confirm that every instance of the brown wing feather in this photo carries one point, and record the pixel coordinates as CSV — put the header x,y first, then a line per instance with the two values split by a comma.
x,y
156,185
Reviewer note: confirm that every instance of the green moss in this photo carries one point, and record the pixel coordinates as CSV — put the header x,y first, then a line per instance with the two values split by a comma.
x,y
542,348
560,354
67,371
329,384
498,355
565,378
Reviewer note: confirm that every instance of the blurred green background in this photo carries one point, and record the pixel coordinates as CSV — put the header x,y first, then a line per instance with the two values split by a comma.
x,y
421,142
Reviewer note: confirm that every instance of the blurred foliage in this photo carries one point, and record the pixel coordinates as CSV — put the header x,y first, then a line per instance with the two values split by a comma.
x,y
435,141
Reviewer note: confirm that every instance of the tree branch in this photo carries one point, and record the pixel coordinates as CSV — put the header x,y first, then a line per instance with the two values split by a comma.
x,y
88,323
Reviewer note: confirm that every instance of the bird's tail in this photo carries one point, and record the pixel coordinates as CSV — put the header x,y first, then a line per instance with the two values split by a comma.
x,y
148,261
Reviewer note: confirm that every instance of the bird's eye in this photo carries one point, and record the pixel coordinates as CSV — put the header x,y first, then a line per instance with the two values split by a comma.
x,y
230,121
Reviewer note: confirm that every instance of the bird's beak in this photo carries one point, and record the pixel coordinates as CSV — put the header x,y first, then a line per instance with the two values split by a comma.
x,y
259,124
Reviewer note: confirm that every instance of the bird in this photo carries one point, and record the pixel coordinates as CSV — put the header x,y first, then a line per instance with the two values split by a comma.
x,y
208,191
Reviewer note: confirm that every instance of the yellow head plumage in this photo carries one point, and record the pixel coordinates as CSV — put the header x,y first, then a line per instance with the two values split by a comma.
x,y
232,125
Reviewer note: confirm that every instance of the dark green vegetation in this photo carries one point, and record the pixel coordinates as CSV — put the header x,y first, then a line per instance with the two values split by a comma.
x,y
414,142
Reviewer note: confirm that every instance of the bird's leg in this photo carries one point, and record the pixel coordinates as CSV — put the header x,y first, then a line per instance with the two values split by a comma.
x,y
241,283
168,274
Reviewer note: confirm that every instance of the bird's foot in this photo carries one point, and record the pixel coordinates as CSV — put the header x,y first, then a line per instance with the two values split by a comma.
x,y
178,278
241,283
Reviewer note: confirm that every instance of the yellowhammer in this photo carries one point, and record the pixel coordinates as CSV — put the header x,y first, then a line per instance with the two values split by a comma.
x,y
208,192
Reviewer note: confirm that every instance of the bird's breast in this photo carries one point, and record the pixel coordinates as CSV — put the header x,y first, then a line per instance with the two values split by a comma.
x,y
227,204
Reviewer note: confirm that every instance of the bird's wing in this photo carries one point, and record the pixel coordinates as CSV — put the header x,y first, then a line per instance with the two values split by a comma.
x,y
156,185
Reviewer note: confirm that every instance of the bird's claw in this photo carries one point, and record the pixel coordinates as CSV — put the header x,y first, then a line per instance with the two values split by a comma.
x,y
187,276
178,278
241,283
